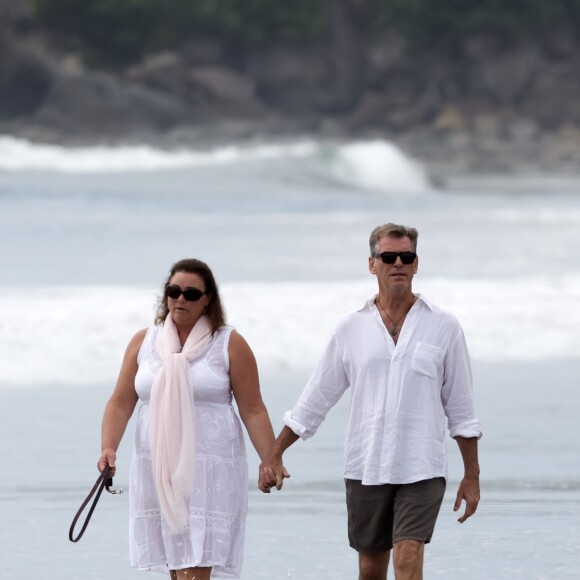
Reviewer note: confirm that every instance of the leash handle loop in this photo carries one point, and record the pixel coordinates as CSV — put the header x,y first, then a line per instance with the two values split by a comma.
x,y
104,481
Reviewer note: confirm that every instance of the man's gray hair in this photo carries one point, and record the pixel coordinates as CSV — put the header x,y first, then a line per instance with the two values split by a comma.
x,y
394,231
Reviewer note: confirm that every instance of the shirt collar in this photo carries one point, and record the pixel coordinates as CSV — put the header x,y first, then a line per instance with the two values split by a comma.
x,y
369,304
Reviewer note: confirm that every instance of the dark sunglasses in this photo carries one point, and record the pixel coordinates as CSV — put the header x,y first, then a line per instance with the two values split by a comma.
x,y
190,294
391,257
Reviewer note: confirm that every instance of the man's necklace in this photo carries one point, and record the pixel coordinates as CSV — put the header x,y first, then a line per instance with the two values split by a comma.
x,y
394,331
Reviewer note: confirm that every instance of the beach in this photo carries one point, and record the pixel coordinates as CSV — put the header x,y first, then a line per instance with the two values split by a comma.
x,y
86,247
525,527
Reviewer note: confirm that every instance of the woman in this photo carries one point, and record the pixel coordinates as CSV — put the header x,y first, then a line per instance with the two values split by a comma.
x,y
189,480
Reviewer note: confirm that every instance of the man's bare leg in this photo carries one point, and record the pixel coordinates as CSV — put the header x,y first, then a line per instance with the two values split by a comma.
x,y
408,560
373,566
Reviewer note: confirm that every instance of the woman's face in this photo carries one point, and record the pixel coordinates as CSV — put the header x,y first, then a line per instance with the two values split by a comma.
x,y
187,312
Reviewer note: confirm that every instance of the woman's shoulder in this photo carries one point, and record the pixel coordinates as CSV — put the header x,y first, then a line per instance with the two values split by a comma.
x,y
141,338
138,338
236,343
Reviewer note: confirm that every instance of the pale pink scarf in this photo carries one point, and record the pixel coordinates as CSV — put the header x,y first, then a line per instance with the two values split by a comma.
x,y
172,432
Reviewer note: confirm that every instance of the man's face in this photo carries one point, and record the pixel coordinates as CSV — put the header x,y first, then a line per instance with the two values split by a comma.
x,y
398,276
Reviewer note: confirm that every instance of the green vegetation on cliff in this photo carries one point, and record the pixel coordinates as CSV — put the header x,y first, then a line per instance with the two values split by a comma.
x,y
111,33
448,23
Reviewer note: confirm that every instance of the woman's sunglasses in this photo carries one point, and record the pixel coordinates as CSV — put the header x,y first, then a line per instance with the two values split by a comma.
x,y
391,257
190,294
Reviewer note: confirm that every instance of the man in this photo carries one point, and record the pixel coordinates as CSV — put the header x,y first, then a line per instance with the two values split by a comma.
x,y
406,363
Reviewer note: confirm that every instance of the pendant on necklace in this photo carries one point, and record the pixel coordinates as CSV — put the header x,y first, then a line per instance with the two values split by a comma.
x,y
394,331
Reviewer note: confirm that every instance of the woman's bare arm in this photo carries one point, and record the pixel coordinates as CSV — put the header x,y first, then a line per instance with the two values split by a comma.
x,y
120,405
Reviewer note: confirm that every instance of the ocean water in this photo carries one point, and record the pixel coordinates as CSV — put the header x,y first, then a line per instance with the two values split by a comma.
x,y
86,238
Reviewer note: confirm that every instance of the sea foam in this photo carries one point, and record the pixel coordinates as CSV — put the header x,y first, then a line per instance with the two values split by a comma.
x,y
372,165
20,155
378,165
77,336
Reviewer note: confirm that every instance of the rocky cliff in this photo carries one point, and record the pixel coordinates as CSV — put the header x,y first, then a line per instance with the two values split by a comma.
x,y
489,107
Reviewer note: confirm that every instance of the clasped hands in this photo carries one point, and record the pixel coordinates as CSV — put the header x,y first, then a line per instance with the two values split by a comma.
x,y
271,473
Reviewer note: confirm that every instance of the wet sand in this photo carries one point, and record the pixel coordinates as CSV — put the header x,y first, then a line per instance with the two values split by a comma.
x,y
526,526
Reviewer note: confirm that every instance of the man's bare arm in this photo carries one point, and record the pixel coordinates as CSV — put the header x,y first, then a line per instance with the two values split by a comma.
x,y
469,486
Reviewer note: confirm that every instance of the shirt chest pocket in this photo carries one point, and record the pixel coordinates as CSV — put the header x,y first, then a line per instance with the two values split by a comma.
x,y
427,360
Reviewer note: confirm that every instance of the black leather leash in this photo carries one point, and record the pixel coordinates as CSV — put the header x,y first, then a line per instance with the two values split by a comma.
x,y
103,481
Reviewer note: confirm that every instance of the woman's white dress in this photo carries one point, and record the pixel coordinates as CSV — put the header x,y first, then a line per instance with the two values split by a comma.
x,y
219,503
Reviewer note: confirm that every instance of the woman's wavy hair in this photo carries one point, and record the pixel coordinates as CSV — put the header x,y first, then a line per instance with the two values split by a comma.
x,y
214,310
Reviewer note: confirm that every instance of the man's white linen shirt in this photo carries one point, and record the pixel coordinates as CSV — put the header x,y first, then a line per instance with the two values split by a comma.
x,y
400,393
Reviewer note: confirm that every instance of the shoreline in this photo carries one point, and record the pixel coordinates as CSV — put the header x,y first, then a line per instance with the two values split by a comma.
x,y
529,503
446,165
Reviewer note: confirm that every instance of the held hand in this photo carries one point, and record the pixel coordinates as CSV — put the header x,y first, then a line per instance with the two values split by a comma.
x,y
271,474
468,491
108,457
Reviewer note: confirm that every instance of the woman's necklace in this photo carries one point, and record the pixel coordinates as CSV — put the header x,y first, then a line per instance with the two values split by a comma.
x,y
394,331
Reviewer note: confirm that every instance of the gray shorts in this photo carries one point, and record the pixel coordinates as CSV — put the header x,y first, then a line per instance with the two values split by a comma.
x,y
381,515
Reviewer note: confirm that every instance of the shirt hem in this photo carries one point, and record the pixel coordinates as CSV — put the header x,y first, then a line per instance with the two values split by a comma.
x,y
218,570
394,480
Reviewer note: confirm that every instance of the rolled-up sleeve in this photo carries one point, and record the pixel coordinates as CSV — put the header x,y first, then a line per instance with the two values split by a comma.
x,y
324,388
457,391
